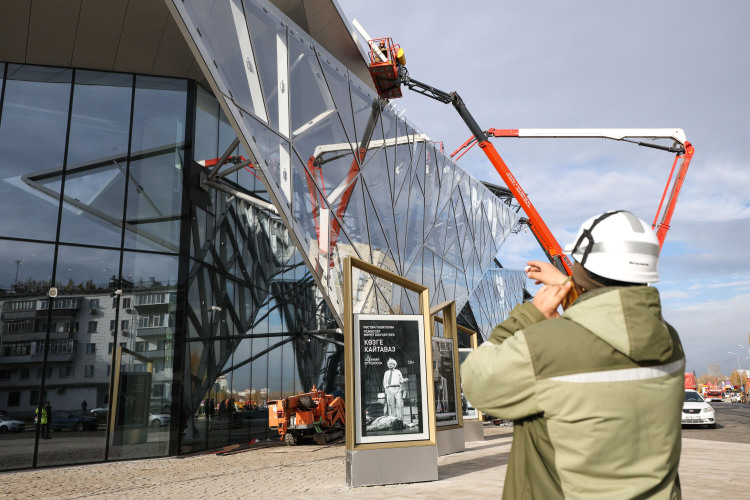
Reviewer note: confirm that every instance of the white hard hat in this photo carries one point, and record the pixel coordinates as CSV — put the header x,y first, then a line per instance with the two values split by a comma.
x,y
618,246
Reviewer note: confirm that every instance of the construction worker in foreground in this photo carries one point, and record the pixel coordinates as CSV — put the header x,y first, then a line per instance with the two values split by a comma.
x,y
595,393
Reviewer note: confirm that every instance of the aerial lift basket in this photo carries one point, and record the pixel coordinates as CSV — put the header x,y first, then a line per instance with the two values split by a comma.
x,y
385,60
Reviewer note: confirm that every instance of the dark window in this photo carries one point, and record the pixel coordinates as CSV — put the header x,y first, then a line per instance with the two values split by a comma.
x,y
126,303
34,398
111,348
94,303
24,373
66,371
112,325
14,398
124,324
89,371
92,326
90,348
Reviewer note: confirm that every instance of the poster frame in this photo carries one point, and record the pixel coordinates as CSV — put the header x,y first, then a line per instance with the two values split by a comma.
x,y
350,265
474,343
450,330
425,375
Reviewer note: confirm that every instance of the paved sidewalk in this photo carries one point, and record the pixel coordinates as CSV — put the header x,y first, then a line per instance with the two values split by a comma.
x,y
708,469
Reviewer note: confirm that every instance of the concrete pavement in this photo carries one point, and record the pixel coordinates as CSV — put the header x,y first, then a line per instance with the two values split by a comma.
x,y
708,469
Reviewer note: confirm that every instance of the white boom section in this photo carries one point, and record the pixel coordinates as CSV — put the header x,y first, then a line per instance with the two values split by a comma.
x,y
617,134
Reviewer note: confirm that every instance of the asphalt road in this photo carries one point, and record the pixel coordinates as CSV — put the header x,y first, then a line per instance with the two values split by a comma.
x,y
732,424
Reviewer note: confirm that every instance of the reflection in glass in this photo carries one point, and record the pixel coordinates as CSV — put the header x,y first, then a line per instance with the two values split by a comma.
x,y
155,180
25,276
97,158
32,140
85,279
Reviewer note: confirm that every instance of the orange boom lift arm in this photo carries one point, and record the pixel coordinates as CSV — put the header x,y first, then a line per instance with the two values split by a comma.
x,y
388,70
680,146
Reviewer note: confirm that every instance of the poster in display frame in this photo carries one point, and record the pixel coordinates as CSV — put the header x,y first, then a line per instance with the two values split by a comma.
x,y
444,379
474,414
467,409
445,314
390,374
356,269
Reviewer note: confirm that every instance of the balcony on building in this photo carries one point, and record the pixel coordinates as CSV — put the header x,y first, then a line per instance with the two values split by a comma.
x,y
61,307
155,332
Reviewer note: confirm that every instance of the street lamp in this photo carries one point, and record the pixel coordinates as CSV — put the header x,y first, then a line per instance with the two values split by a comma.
x,y
739,368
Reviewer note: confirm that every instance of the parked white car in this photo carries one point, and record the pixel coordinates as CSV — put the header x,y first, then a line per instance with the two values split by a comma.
x,y
8,424
156,420
695,410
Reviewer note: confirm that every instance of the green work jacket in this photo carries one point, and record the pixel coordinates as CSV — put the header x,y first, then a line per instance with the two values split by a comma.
x,y
596,396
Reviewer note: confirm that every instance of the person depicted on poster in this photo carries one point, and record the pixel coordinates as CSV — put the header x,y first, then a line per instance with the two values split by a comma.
x,y
392,380
441,393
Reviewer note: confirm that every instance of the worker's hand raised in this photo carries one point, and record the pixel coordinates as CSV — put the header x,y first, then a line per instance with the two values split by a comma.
x,y
549,298
544,273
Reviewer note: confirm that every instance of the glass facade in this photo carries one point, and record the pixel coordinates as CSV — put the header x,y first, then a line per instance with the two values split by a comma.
x,y
92,189
173,255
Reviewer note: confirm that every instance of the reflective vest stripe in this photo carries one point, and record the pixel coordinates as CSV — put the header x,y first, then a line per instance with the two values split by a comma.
x,y
624,375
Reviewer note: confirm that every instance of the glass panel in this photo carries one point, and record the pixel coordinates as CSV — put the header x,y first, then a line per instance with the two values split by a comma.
x,y
337,77
415,224
327,152
310,99
206,141
25,276
155,172
431,188
83,276
32,145
148,306
268,33
97,158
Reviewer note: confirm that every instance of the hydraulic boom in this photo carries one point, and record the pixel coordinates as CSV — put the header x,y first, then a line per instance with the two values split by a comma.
x,y
387,67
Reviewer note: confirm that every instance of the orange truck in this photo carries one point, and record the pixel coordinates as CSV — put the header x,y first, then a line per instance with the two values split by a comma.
x,y
313,415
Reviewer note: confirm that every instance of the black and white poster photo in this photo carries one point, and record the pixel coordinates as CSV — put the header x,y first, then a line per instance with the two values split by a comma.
x,y
444,378
468,411
390,376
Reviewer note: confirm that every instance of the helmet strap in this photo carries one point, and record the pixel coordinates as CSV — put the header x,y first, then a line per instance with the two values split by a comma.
x,y
586,233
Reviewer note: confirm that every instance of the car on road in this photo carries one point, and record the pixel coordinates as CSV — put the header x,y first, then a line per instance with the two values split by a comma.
x,y
695,410
99,412
733,397
156,420
67,419
8,424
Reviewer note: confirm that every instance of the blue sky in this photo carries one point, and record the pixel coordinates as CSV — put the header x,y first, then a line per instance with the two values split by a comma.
x,y
583,63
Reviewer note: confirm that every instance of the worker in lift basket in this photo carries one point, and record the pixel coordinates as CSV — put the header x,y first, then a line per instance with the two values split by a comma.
x,y
596,393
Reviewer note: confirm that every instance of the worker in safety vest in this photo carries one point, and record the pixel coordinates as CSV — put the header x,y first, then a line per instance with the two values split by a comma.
x,y
44,419
595,393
